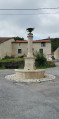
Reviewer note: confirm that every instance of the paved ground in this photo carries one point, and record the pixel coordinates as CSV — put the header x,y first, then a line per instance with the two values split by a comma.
x,y
57,63
29,100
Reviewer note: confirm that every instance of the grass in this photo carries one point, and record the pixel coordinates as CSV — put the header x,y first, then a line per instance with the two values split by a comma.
x,y
44,67
40,67
21,68
12,59
2,68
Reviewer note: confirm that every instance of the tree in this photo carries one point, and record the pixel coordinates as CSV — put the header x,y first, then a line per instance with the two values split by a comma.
x,y
18,38
54,44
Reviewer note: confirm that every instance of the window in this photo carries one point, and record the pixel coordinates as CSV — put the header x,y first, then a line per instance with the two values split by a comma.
x,y
41,51
43,44
19,50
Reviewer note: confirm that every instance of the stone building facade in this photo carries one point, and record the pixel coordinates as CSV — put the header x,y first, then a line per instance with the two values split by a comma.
x,y
20,48
10,47
5,46
56,54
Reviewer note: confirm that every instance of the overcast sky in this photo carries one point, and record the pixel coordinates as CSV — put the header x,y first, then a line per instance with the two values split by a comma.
x,y
15,25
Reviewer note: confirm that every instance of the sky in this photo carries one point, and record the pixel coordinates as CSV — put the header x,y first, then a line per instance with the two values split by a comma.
x,y
45,25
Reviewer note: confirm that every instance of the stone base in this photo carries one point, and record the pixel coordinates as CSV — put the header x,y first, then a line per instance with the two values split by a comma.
x,y
47,77
29,63
29,74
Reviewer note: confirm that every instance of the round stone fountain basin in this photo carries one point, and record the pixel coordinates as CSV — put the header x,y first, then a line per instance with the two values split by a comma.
x,y
29,74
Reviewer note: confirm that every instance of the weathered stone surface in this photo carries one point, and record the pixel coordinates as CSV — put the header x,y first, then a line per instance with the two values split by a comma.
x,y
30,45
29,71
29,74
29,63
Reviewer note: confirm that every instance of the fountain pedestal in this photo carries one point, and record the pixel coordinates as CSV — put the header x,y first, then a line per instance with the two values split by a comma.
x,y
29,63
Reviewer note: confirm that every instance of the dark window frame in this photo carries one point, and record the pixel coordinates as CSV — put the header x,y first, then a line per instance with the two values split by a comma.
x,y
19,51
41,51
43,44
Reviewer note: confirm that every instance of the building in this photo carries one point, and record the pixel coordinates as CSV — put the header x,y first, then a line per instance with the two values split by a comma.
x,y
10,47
56,54
20,48
5,46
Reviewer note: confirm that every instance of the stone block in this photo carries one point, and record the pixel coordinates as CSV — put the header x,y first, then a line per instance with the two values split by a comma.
x,y
30,74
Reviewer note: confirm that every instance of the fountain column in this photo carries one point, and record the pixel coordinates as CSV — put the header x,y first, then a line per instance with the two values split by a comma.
x,y
30,60
30,45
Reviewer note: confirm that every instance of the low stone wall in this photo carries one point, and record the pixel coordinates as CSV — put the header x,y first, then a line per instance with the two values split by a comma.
x,y
29,74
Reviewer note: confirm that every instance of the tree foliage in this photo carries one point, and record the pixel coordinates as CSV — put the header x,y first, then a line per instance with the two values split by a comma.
x,y
54,44
18,38
40,59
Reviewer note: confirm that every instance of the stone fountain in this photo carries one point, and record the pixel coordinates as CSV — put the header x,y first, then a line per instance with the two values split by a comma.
x,y
29,71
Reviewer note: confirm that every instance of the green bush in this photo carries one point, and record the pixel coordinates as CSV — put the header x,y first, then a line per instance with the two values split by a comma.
x,y
7,57
12,65
22,56
12,60
40,59
51,63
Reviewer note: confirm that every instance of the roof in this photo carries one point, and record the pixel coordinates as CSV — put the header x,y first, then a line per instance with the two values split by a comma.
x,y
39,41
34,41
3,39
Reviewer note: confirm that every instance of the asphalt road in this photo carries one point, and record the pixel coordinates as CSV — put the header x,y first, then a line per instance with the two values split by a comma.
x,y
29,100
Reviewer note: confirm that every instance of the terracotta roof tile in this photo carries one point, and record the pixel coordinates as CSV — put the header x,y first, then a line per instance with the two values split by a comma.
x,y
34,41
39,41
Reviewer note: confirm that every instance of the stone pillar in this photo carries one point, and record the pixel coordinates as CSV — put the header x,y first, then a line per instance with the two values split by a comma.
x,y
30,60
30,45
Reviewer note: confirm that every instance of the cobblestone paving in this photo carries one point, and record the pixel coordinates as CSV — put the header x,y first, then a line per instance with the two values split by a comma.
x,y
29,100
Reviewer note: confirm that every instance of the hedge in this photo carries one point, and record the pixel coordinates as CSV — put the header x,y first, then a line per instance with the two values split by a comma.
x,y
12,65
